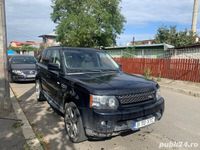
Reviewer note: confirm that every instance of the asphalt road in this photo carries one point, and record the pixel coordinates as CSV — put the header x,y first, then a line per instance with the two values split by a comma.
x,y
178,129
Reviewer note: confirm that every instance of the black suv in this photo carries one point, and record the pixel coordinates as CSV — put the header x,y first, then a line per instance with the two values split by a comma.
x,y
95,97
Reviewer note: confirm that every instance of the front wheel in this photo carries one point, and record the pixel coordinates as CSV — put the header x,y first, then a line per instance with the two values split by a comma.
x,y
73,123
38,91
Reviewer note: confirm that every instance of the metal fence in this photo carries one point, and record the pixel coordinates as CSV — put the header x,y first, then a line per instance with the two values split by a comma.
x,y
177,69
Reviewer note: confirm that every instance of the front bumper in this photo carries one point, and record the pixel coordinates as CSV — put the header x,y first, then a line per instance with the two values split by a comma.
x,y
22,78
106,124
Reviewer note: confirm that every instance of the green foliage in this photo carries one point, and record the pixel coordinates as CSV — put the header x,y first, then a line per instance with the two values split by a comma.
x,y
26,147
147,73
88,23
176,38
24,48
159,77
17,125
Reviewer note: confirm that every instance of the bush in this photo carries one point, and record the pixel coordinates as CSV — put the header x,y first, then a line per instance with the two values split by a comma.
x,y
147,73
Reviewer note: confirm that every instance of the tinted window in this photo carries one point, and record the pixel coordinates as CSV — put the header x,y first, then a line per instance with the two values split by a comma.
x,y
55,57
23,60
77,60
42,56
46,57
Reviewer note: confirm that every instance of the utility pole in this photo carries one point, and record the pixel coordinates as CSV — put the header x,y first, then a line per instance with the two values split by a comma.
x,y
5,103
195,16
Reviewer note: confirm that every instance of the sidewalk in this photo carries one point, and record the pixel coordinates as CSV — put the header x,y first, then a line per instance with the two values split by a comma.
x,y
185,87
15,130
32,142
11,136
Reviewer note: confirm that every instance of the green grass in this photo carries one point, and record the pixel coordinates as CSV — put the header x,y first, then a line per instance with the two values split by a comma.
x,y
17,125
26,147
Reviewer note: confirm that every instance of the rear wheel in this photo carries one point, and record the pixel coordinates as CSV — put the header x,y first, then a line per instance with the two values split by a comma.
x,y
38,91
73,123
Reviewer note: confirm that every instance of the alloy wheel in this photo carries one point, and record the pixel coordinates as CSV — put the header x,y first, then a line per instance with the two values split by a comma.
x,y
71,120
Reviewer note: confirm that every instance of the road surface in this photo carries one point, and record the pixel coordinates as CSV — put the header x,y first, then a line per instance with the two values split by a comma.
x,y
178,129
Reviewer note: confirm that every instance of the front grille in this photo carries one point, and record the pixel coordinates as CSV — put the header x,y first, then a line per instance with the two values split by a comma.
x,y
29,72
136,97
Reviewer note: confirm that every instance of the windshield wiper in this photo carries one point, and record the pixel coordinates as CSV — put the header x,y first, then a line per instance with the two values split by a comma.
x,y
92,70
84,70
109,70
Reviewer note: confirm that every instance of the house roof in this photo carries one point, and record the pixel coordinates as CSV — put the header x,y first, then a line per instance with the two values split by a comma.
x,y
20,44
163,45
52,34
25,43
188,46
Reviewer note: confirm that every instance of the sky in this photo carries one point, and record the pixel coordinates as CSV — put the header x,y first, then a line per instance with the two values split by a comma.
x,y
27,19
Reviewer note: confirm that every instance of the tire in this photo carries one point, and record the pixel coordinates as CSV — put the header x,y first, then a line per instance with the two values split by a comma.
x,y
38,91
73,123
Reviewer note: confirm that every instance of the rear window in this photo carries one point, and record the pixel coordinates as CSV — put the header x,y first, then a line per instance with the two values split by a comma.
x,y
23,60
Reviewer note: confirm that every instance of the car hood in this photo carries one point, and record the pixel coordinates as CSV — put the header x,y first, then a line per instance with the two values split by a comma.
x,y
110,83
23,66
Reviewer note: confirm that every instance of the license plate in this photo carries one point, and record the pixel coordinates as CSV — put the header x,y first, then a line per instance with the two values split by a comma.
x,y
142,123
30,76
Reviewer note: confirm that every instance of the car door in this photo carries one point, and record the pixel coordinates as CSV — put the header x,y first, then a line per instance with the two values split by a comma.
x,y
43,70
54,77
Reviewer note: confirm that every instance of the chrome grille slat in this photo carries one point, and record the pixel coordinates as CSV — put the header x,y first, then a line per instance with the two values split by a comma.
x,y
136,97
29,71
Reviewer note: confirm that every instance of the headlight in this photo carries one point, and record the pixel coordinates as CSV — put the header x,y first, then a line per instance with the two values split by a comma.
x,y
158,95
103,102
19,72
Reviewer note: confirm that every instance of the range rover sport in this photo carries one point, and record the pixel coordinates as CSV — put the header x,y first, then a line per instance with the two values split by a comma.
x,y
95,97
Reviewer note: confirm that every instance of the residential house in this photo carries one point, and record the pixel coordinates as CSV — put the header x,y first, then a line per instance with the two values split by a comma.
x,y
185,52
142,42
49,40
140,51
17,45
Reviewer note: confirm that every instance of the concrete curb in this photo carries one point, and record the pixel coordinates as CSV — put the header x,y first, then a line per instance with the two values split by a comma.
x,y
183,91
27,130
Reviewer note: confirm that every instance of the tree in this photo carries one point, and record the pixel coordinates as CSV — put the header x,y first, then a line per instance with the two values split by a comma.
x,y
87,23
176,38
24,48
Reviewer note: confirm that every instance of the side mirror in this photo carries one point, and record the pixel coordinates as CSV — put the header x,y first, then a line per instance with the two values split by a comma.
x,y
53,67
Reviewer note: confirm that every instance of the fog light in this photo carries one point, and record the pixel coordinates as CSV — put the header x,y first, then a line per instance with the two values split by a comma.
x,y
103,123
159,115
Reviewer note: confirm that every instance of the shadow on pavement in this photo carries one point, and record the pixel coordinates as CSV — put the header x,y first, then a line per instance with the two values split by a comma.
x,y
47,125
27,94
11,136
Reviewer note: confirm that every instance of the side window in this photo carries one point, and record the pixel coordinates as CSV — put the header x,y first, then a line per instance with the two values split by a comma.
x,y
42,56
55,57
46,58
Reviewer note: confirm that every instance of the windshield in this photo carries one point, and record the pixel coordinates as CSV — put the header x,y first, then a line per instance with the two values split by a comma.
x,y
23,60
81,60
